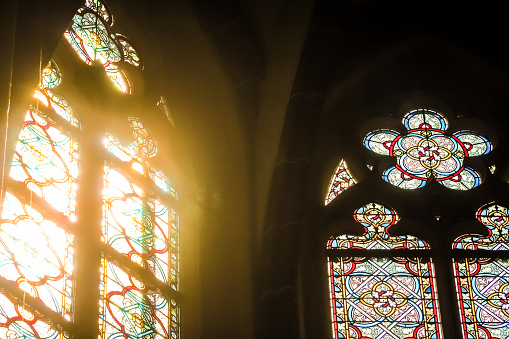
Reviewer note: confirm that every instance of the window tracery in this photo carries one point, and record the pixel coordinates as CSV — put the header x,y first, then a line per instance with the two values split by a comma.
x,y
90,36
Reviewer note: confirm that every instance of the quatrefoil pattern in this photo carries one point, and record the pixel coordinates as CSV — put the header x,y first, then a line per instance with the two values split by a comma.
x,y
426,152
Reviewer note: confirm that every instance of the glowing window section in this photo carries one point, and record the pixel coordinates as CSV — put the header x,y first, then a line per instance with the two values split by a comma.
x,y
90,36
340,181
36,255
140,226
381,297
483,283
426,152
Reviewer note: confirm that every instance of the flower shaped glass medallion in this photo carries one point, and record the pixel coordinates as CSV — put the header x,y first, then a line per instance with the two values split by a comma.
x,y
426,152
482,283
381,296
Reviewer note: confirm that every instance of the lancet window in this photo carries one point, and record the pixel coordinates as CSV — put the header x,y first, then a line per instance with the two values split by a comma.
x,y
481,270
381,285
38,210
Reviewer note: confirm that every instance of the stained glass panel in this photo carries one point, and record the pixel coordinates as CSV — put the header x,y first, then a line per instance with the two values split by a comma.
x,y
382,297
426,152
140,226
90,36
128,309
482,283
46,161
341,180
37,255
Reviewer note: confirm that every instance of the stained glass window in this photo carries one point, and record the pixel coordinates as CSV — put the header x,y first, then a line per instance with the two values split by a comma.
x,y
141,226
91,37
426,152
482,279
36,254
340,181
139,266
390,295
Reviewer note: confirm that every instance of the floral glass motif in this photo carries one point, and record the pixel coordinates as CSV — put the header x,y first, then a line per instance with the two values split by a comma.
x,y
140,226
90,36
426,152
35,253
340,181
382,297
483,283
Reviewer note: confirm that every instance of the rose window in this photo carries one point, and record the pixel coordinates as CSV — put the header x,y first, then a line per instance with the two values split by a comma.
x,y
426,152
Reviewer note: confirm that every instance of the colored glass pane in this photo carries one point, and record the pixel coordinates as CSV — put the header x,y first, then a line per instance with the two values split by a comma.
x,y
426,152
37,255
483,283
46,161
382,297
140,226
340,181
90,36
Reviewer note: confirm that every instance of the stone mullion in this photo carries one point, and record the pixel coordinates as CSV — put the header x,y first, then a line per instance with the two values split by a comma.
x,y
88,236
